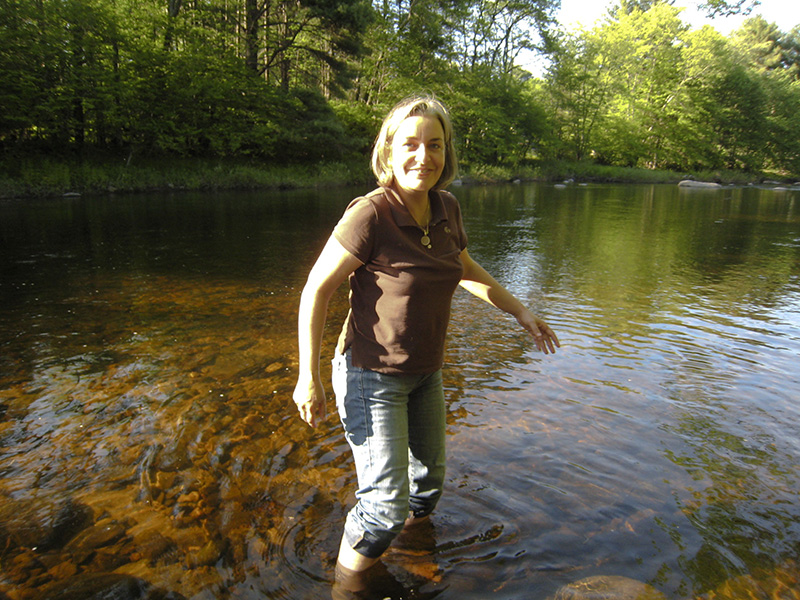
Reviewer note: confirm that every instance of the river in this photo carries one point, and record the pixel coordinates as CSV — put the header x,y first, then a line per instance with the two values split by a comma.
x,y
149,444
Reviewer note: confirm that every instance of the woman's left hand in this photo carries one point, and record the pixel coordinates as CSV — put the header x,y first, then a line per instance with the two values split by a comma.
x,y
545,338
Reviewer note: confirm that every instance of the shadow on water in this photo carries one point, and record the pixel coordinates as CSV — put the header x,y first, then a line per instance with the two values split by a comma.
x,y
149,446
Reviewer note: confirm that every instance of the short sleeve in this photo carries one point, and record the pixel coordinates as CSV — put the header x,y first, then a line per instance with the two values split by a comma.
x,y
355,231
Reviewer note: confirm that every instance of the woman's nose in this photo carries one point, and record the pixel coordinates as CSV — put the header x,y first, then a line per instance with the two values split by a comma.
x,y
421,153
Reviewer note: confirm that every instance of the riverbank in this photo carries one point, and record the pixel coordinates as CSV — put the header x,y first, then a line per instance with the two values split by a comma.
x,y
47,177
33,177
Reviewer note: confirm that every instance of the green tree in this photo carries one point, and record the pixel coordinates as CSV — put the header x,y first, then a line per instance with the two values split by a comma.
x,y
768,48
579,84
647,52
739,119
641,89
493,33
706,54
22,74
498,120
783,142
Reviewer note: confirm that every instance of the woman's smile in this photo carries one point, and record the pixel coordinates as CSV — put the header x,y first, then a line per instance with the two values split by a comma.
x,y
418,154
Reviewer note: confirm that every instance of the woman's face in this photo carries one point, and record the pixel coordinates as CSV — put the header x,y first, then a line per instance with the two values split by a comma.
x,y
418,154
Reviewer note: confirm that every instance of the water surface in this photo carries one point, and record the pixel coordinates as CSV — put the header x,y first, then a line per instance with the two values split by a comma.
x,y
148,354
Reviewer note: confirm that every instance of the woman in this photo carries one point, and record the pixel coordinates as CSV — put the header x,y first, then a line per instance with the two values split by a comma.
x,y
403,247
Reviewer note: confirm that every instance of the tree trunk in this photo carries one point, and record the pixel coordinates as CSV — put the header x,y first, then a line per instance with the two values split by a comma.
x,y
173,8
252,17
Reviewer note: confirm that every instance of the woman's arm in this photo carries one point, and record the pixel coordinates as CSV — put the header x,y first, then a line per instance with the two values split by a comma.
x,y
333,266
479,282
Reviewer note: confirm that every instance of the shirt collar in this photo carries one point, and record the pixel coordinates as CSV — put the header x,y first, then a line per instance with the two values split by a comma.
x,y
404,219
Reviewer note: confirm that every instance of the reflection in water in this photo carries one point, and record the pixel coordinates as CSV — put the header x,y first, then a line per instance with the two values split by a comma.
x,y
149,446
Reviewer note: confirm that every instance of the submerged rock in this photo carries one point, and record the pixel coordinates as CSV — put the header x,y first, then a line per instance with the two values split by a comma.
x,y
92,538
41,524
107,586
608,587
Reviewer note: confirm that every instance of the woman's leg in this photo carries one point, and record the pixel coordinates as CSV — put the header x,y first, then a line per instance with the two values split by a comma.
x,y
427,428
374,411
351,560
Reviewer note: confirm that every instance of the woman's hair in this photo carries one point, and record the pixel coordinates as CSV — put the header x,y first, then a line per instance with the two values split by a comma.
x,y
413,106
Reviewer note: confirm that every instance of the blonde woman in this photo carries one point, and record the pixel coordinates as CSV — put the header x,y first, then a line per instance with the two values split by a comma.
x,y
404,250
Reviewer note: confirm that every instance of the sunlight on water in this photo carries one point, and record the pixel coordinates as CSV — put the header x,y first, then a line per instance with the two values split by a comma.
x,y
149,446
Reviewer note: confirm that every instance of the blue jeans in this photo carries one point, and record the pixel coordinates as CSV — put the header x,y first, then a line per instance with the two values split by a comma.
x,y
395,425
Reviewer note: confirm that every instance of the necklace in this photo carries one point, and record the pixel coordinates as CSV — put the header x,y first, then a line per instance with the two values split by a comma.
x,y
425,240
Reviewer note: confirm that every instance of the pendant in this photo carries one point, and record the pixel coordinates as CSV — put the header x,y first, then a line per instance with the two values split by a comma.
x,y
426,241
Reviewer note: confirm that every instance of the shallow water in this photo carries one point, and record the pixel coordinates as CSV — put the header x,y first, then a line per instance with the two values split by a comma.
x,y
147,358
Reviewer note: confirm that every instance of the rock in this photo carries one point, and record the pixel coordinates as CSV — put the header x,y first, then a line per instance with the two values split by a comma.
x,y
63,570
104,533
155,546
106,586
208,555
23,567
688,183
42,524
608,587
99,586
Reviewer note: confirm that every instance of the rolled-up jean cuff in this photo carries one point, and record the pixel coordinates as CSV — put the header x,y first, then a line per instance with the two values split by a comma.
x,y
367,545
422,512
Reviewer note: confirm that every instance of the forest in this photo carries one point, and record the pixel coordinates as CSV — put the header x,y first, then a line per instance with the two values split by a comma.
x,y
304,83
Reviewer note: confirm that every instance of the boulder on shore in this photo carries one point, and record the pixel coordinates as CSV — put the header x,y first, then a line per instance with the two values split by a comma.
x,y
688,183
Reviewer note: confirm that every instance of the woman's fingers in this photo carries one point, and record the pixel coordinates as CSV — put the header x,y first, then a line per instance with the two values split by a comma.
x,y
546,339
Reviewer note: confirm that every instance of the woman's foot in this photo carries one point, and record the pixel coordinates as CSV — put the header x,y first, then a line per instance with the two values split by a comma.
x,y
372,583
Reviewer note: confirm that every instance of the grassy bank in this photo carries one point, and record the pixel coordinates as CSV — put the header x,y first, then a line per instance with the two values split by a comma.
x,y
42,177
587,171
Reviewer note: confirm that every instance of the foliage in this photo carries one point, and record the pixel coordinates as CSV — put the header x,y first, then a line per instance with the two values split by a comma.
x,y
305,82
131,77
642,89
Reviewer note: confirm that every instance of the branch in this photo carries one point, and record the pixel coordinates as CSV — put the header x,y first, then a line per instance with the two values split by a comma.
x,y
723,8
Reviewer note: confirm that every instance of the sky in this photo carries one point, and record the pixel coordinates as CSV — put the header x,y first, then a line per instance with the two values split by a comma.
x,y
784,13
576,13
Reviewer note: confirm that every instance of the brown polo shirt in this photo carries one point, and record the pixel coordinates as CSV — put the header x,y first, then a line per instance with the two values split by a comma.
x,y
400,297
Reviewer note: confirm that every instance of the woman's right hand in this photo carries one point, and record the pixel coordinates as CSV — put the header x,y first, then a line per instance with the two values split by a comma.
x,y
309,397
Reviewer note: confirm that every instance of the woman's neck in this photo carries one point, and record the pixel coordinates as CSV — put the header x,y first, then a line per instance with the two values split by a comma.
x,y
417,204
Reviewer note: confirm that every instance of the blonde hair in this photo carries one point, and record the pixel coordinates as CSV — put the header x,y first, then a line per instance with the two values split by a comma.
x,y
413,106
